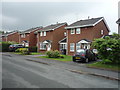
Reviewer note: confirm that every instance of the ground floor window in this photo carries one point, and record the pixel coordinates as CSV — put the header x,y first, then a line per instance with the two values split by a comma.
x,y
78,46
72,45
42,46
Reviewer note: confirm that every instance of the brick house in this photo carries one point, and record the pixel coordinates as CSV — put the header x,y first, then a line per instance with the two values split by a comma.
x,y
81,33
49,37
118,22
11,36
28,38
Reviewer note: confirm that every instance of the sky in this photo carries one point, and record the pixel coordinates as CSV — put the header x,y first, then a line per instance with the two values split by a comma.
x,y
24,14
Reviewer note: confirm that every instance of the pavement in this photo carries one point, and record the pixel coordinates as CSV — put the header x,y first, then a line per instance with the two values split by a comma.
x,y
20,71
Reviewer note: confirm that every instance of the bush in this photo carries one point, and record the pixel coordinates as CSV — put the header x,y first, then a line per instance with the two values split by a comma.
x,y
24,51
5,46
33,49
108,49
53,54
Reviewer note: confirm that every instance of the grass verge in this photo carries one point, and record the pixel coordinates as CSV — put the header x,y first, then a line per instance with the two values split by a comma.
x,y
99,65
66,58
32,53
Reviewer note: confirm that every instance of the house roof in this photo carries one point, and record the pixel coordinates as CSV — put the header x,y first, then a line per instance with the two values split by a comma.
x,y
52,27
118,21
64,40
8,33
31,29
86,23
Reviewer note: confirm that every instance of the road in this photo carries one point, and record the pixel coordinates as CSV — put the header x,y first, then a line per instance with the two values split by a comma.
x,y
19,72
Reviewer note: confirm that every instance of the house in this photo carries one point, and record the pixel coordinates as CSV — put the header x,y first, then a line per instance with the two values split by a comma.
x,y
49,37
28,38
11,36
118,22
81,33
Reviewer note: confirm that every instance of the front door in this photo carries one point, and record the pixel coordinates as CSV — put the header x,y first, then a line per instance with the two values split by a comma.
x,y
48,47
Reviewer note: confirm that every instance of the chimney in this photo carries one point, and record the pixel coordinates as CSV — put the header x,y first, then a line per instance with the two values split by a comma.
x,y
88,17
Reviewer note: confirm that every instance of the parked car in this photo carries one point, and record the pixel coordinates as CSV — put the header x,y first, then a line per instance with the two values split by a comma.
x,y
84,55
15,46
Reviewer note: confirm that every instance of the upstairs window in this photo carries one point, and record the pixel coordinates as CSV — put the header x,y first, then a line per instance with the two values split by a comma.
x,y
78,31
102,32
41,33
44,34
72,31
22,35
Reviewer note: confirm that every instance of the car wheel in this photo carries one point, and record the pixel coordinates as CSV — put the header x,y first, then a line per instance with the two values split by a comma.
x,y
74,59
86,60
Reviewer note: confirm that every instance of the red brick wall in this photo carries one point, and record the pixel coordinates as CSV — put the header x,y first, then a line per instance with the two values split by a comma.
x,y
49,36
31,37
13,37
89,33
4,39
55,36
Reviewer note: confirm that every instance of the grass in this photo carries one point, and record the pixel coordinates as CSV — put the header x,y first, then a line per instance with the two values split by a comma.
x,y
66,58
32,53
104,66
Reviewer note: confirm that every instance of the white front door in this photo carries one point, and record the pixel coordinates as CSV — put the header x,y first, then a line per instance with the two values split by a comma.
x,y
48,47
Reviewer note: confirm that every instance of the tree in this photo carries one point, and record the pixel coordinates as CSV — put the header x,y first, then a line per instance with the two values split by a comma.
x,y
108,48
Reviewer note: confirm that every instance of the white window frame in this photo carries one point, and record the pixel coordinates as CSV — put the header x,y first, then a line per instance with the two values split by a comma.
x,y
42,47
102,32
41,33
72,31
72,47
22,35
44,33
78,46
78,30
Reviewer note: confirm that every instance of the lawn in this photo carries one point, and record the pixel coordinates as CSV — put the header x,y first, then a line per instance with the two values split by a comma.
x,y
32,53
104,66
66,58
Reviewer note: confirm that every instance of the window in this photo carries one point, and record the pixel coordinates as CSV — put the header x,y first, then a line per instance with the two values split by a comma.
x,y
42,46
78,45
72,47
72,31
44,34
22,35
65,34
102,32
77,30
41,33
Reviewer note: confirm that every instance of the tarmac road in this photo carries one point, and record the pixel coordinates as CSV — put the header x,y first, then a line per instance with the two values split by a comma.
x,y
18,72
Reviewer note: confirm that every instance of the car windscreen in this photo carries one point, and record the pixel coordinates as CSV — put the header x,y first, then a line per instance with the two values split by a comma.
x,y
81,51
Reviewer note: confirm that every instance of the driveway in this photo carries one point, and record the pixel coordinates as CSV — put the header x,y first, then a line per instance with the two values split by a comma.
x,y
29,72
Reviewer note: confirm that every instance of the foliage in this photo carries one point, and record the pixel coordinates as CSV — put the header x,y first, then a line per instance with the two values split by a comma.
x,y
53,54
24,51
5,46
33,49
108,48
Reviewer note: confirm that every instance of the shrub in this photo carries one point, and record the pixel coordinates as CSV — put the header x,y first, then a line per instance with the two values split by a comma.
x,y
53,54
108,49
24,51
33,49
5,46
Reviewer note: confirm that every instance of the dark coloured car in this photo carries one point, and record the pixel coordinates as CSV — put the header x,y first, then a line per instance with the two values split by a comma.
x,y
84,55
15,46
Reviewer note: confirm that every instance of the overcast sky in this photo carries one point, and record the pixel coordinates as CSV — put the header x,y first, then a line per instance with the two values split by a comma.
x,y
25,15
